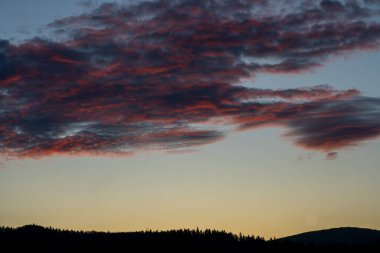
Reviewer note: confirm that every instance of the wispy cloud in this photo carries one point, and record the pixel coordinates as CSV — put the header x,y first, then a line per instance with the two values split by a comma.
x,y
165,75
331,155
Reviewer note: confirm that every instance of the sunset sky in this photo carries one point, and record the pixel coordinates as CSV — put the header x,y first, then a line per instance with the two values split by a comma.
x,y
252,116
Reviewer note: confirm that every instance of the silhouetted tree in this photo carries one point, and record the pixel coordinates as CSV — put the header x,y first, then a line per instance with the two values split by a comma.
x,y
39,239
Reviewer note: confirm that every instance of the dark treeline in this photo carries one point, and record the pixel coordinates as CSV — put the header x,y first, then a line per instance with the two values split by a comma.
x,y
39,239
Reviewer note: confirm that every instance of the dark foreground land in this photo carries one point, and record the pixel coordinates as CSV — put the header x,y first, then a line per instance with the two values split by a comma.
x,y
33,238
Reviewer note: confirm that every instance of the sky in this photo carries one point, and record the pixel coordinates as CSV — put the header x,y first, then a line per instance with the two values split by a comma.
x,y
252,116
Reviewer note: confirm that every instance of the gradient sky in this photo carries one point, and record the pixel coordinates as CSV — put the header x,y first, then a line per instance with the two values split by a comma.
x,y
128,116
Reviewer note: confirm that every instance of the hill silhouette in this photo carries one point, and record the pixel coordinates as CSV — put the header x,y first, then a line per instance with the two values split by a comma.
x,y
41,239
343,235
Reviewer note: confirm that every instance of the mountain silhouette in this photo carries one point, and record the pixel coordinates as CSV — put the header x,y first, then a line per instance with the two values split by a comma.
x,y
35,238
343,235
33,228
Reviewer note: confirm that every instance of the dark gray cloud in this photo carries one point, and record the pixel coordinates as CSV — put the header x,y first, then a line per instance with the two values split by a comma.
x,y
164,75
